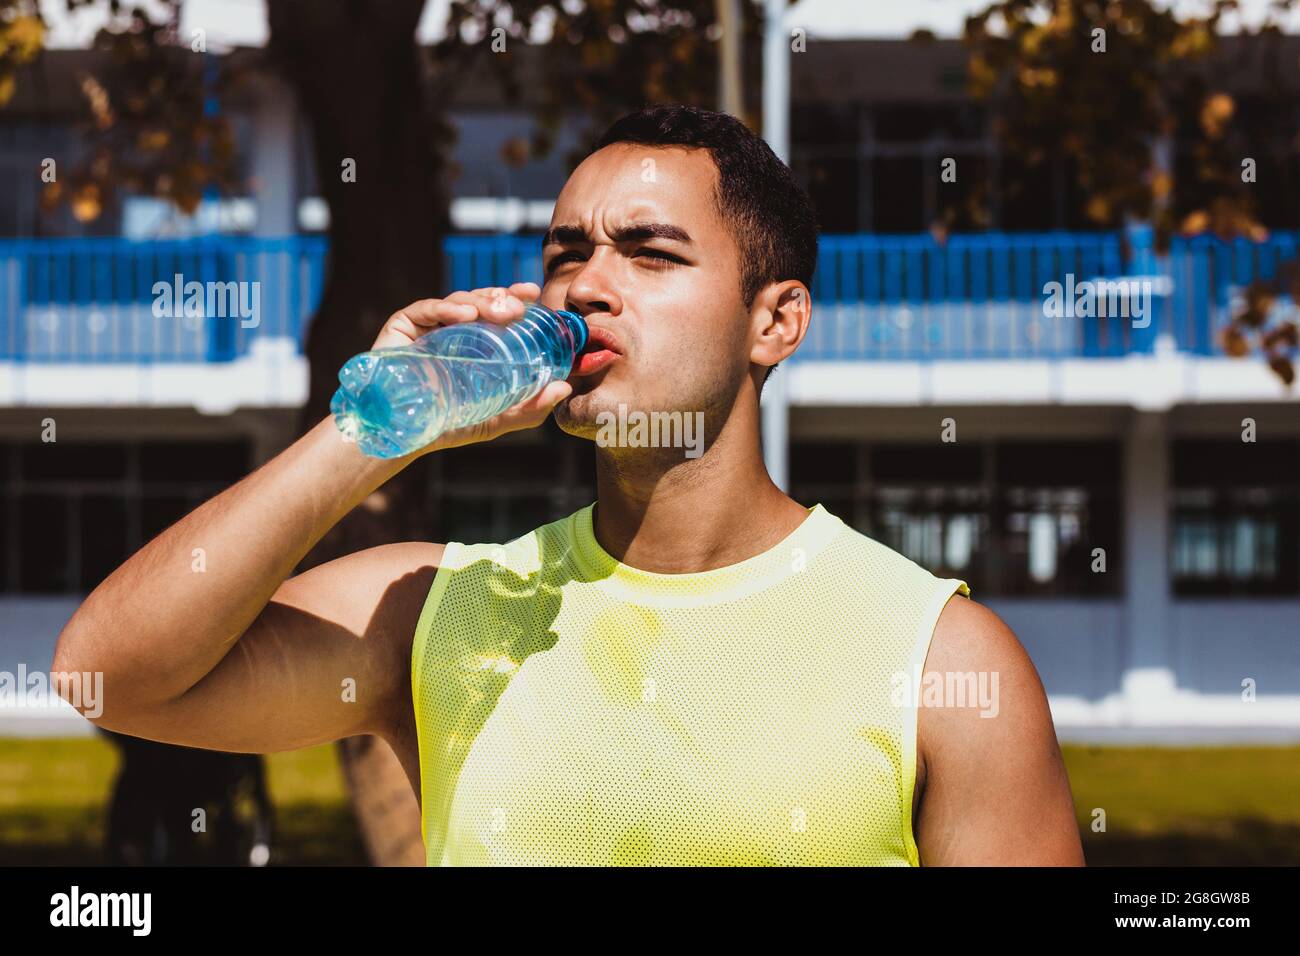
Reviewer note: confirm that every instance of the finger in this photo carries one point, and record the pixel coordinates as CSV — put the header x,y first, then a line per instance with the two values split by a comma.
x,y
520,290
430,313
418,318
553,394
502,307
532,412
527,414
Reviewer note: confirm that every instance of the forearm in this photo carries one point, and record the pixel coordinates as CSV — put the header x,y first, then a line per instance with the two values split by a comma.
x,y
160,622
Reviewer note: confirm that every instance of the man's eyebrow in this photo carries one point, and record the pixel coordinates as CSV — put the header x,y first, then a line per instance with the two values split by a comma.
x,y
630,233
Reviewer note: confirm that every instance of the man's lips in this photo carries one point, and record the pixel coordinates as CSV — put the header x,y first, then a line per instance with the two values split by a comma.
x,y
601,350
589,363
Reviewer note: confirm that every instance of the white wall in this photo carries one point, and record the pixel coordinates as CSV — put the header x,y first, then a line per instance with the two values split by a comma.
x,y
29,630
1218,643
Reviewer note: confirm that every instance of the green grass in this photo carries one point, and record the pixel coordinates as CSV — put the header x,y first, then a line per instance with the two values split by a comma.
x,y
1220,805
54,795
1188,807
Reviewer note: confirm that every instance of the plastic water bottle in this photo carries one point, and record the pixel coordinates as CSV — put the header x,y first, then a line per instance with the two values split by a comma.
x,y
394,401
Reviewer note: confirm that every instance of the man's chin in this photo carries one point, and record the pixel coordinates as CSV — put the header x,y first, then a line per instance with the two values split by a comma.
x,y
576,415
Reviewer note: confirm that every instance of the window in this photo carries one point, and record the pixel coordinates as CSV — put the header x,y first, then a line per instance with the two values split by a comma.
x,y
930,503
825,473
1011,518
832,179
496,492
1236,518
1058,502
74,511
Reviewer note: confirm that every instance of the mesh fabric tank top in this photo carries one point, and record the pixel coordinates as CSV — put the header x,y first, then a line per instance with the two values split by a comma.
x,y
573,710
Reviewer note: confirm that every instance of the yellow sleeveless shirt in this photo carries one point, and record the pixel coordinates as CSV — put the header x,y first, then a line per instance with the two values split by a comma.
x,y
573,710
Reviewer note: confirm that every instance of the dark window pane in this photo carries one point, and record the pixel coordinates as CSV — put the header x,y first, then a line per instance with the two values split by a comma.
x,y
1236,518
1048,538
841,506
1028,194
495,463
526,512
8,530
62,460
824,124
103,538
1235,462
1058,463
159,512
831,181
965,204
1058,502
897,194
468,520
43,545
929,504
912,123
931,462
945,530
220,462
823,463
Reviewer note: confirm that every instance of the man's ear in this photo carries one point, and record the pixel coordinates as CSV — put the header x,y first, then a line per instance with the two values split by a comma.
x,y
779,317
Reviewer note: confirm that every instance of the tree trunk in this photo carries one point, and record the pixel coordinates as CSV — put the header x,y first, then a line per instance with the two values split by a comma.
x,y
360,81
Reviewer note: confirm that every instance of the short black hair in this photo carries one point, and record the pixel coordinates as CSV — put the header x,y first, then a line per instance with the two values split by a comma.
x,y
771,216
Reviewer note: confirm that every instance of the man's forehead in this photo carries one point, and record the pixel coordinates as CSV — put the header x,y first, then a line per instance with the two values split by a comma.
x,y
639,184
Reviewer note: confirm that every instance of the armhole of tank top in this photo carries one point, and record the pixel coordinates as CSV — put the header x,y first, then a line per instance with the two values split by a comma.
x,y
429,610
943,592
422,627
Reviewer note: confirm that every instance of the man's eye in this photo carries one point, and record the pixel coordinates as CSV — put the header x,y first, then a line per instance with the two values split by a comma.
x,y
562,257
662,256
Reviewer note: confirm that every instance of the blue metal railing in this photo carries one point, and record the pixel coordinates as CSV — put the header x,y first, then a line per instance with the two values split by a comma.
x,y
115,300
874,296
980,295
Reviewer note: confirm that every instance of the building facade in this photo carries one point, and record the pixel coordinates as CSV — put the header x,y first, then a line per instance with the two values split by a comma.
x,y
1120,492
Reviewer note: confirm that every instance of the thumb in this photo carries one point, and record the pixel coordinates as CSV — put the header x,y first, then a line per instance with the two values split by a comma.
x,y
555,393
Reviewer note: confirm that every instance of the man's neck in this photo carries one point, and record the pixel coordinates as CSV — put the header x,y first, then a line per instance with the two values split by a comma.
x,y
660,511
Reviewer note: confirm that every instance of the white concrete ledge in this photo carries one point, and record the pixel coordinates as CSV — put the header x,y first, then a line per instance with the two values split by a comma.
x,y
272,375
1151,382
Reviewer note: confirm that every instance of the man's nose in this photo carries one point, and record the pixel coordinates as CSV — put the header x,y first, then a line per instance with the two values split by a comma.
x,y
591,290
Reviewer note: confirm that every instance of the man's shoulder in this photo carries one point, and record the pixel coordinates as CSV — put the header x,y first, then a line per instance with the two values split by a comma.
x,y
969,636
972,645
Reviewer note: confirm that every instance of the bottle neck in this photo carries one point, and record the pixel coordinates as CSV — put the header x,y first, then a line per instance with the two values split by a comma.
x,y
577,327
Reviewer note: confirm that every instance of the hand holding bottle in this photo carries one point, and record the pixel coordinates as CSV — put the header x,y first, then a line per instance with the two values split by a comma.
x,y
415,392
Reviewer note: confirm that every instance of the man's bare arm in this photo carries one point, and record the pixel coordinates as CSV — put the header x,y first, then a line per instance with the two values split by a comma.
x,y
200,638
218,649
995,787
327,658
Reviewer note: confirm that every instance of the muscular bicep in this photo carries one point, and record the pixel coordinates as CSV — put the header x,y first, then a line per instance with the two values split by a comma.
x,y
327,658
996,791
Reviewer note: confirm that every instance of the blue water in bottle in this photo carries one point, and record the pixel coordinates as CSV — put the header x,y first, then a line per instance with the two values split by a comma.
x,y
394,401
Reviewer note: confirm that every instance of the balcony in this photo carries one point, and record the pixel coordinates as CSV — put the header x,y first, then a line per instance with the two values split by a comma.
x,y
117,321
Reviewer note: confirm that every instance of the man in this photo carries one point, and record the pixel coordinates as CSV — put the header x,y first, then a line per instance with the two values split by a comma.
x,y
694,670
